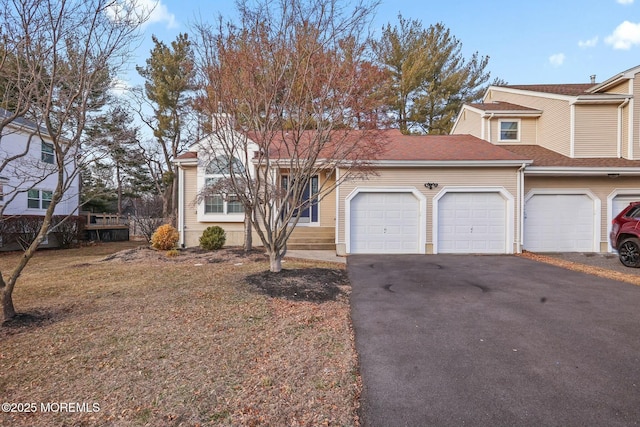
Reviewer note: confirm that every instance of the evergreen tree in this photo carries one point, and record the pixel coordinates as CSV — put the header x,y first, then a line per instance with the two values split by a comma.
x,y
169,84
428,77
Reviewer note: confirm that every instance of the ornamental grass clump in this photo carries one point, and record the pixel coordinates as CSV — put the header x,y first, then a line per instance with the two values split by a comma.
x,y
165,238
213,238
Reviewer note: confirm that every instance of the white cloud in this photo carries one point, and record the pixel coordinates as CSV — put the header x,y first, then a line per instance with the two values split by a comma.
x,y
588,43
624,36
159,13
153,10
625,1
557,59
119,87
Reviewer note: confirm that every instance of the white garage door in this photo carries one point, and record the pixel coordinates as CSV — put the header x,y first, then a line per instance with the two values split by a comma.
x,y
385,223
621,202
472,223
559,223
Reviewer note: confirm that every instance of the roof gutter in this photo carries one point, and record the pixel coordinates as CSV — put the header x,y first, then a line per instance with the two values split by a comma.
x,y
600,99
449,163
612,172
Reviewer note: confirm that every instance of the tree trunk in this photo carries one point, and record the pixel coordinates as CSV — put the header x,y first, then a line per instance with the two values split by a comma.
x,y
8,310
275,262
119,181
248,230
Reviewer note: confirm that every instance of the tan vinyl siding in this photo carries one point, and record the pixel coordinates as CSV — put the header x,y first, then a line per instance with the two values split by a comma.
x,y
445,177
327,208
624,131
235,230
601,187
190,195
635,150
622,88
553,125
596,129
193,228
470,123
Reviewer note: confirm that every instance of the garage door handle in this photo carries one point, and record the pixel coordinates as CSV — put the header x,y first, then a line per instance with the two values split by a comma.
x,y
472,229
384,230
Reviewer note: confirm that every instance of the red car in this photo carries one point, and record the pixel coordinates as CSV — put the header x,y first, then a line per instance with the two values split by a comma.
x,y
625,235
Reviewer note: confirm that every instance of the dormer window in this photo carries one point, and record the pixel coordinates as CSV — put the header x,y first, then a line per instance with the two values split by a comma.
x,y
509,130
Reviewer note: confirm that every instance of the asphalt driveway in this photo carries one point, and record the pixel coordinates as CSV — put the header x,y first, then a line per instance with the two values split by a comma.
x,y
449,340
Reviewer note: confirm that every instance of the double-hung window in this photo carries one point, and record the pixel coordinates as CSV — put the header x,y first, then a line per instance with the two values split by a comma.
x,y
509,130
46,151
221,198
39,199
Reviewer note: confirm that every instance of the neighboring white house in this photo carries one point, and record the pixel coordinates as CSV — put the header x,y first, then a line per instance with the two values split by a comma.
x,y
28,179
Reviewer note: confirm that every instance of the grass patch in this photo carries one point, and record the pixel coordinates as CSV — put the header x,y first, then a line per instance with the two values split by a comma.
x,y
181,340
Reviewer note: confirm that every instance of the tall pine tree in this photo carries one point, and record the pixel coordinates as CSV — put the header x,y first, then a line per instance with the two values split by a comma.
x,y
428,77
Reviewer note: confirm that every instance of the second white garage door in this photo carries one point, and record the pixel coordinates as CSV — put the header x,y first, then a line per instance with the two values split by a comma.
x,y
385,223
559,223
474,222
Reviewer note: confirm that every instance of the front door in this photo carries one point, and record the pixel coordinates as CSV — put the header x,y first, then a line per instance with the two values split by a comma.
x,y
308,212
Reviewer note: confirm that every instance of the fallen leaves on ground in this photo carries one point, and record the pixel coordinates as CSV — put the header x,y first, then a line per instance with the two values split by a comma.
x,y
589,269
168,343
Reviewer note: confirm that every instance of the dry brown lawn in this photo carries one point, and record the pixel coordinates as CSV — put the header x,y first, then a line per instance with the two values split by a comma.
x,y
141,339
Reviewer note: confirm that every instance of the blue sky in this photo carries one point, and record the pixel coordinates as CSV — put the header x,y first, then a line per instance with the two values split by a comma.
x,y
562,41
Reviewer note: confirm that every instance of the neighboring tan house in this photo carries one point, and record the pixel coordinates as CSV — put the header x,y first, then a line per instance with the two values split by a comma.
x,y
584,140
27,182
542,168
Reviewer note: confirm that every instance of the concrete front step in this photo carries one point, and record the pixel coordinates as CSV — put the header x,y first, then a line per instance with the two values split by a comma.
x,y
312,238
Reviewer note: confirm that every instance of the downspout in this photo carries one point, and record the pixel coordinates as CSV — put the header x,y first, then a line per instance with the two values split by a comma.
x,y
620,123
337,220
181,211
520,184
489,126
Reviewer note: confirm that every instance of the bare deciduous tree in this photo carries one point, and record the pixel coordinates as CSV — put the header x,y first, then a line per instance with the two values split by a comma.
x,y
281,86
58,58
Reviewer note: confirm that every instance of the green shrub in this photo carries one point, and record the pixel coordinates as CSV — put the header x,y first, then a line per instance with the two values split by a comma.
x,y
213,238
165,238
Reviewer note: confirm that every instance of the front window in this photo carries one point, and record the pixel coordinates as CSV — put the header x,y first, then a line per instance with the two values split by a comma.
x,y
225,201
510,130
47,152
39,199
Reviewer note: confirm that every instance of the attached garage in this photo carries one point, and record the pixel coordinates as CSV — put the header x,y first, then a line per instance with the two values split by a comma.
x,y
561,222
386,222
473,222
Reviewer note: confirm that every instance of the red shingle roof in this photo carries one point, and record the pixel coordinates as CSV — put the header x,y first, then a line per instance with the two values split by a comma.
x,y
501,106
544,157
558,89
442,148
392,145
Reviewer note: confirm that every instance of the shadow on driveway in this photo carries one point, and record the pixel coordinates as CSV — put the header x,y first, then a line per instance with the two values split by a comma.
x,y
452,340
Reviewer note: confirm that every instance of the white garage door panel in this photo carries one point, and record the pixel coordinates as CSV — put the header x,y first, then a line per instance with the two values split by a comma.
x,y
385,223
472,223
559,223
621,202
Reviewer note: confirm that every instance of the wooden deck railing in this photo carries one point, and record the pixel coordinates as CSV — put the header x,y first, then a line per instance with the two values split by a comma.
x,y
105,220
